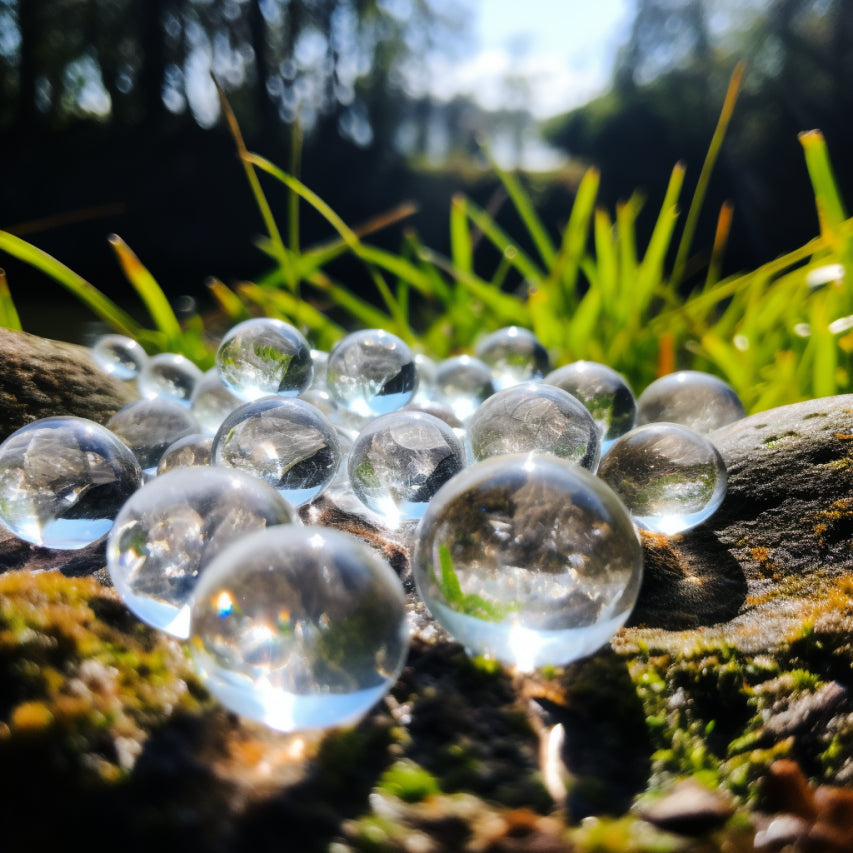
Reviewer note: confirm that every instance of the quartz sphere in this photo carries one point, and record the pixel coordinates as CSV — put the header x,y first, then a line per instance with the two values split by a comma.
x,y
606,395
462,383
63,480
319,360
513,354
149,426
263,356
529,559
299,627
170,376
119,355
190,451
400,460
695,399
670,477
427,370
285,441
212,401
534,417
169,531
371,372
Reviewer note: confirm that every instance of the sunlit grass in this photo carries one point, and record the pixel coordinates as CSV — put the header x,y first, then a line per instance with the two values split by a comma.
x,y
586,287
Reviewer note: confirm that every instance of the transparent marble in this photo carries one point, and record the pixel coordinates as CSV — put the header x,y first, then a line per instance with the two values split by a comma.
x,y
149,426
604,392
534,417
462,383
63,480
400,460
119,355
371,372
299,628
263,356
169,531
191,451
528,559
212,401
320,360
427,370
438,410
322,399
283,440
670,477
514,355
695,399
170,376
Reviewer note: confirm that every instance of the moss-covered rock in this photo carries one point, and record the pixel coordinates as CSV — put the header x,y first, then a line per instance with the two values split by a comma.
x,y
719,719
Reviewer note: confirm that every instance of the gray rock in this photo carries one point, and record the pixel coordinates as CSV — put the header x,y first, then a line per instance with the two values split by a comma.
x,y
689,808
785,525
41,378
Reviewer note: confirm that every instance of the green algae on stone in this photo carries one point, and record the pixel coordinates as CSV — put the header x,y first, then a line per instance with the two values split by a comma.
x,y
77,668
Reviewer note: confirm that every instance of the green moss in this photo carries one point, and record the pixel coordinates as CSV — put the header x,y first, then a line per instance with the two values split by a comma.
x,y
409,782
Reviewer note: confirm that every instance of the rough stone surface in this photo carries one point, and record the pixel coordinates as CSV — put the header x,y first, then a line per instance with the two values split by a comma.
x,y
719,719
41,378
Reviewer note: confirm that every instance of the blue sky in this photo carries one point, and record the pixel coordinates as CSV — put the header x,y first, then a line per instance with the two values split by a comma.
x,y
565,47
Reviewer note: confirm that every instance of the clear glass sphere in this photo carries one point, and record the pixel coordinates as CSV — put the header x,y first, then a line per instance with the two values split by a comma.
x,y
63,480
513,354
371,372
119,355
263,356
299,628
427,372
149,426
670,477
212,401
190,451
170,376
285,441
400,460
604,392
528,559
320,359
534,417
692,398
462,383
170,530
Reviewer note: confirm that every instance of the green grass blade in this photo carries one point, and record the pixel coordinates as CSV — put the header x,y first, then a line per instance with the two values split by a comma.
x,y
282,304
692,218
9,318
506,308
149,291
521,199
573,245
358,308
830,208
626,217
824,350
650,273
229,302
279,249
461,245
88,294
606,255
503,243
292,197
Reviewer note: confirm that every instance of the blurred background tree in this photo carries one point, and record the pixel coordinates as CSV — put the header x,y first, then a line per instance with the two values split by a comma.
x,y
109,122
666,96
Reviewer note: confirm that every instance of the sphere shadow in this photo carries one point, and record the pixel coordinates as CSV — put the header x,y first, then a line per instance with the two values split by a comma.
x,y
689,581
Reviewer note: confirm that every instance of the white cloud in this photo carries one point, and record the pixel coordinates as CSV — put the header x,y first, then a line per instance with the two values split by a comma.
x,y
545,84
